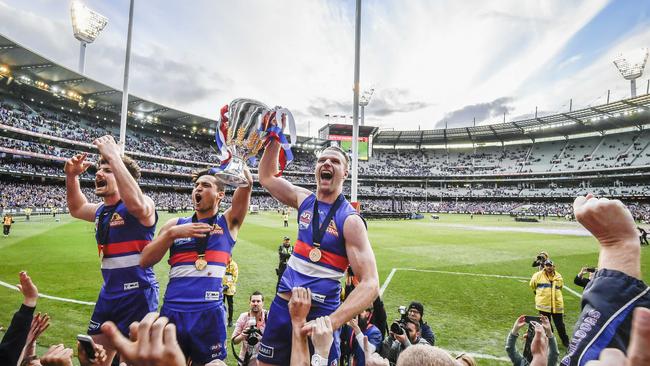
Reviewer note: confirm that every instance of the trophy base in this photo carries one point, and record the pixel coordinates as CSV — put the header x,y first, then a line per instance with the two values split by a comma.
x,y
233,175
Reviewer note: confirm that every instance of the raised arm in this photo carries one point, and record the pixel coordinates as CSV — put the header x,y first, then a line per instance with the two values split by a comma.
x,y
155,251
362,261
138,205
241,199
280,188
77,203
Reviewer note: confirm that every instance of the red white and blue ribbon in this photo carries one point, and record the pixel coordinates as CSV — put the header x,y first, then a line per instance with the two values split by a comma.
x,y
272,127
220,138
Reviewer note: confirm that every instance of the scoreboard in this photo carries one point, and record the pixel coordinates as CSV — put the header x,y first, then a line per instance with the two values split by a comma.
x,y
341,135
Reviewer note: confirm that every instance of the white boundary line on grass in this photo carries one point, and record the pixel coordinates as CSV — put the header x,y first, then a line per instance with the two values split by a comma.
x,y
7,285
481,355
392,273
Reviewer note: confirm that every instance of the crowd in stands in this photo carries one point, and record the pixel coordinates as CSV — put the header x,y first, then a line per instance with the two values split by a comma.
x,y
608,151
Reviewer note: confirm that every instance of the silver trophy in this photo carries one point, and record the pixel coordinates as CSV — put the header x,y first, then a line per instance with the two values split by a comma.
x,y
242,139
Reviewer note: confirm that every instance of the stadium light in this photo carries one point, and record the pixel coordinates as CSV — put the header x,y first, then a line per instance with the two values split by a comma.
x,y
363,102
631,66
86,26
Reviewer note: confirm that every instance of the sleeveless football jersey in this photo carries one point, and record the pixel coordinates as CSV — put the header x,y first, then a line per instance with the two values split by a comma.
x,y
322,277
120,239
191,289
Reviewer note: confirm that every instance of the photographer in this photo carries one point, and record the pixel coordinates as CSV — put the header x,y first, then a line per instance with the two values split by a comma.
x,y
580,280
539,261
415,312
249,329
403,334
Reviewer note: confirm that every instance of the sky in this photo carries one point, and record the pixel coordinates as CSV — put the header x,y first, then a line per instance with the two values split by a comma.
x,y
431,63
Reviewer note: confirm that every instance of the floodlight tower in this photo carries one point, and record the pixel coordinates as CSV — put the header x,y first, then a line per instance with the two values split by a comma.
x,y
631,66
86,26
363,102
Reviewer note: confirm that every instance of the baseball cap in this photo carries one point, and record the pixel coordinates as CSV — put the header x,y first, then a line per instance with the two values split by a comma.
x,y
548,262
286,238
417,306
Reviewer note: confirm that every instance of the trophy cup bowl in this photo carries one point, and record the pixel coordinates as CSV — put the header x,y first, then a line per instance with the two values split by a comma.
x,y
243,139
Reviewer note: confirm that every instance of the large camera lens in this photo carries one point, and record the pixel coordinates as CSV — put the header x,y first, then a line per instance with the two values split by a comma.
x,y
252,340
396,328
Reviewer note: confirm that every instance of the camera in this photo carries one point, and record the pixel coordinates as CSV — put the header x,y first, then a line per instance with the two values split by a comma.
x,y
397,326
540,258
591,269
252,332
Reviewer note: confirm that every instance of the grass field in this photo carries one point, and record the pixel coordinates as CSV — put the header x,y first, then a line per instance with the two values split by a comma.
x,y
448,265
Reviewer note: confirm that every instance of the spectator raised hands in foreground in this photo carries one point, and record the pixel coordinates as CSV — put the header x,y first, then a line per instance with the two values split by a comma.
x,y
100,355
16,336
39,324
616,289
153,342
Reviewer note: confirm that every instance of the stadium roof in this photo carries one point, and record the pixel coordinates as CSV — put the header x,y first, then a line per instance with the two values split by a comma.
x,y
345,130
623,113
24,62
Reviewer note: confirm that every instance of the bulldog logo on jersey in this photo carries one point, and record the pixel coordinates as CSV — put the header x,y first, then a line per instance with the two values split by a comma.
x,y
116,220
304,220
216,230
331,229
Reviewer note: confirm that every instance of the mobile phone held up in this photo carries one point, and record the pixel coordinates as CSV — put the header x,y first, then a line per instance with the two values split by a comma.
x,y
87,344
530,334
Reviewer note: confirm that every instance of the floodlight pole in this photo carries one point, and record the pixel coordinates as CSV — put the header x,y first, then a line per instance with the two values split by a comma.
x,y
125,87
82,57
633,87
355,105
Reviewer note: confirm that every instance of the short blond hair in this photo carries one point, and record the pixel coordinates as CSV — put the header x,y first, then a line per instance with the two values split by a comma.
x,y
425,355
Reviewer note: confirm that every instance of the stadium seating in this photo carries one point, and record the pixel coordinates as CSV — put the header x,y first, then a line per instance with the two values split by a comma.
x,y
37,139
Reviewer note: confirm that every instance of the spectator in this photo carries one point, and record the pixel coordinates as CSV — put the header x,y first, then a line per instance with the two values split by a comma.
x,y
511,343
419,355
253,320
643,236
320,329
394,344
230,286
7,220
547,286
580,280
39,324
607,304
153,342
415,312
353,334
16,336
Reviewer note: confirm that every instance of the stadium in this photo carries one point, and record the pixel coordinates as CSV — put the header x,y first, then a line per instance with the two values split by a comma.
x,y
455,215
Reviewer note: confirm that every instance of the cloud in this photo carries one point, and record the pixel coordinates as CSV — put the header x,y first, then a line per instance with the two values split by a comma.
x,y
426,58
481,111
383,103
569,61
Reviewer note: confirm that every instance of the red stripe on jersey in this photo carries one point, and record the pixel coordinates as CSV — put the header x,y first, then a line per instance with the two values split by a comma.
x,y
217,256
124,247
330,258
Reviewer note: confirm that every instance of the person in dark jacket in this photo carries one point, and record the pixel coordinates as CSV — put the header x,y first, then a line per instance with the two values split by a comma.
x,y
415,312
580,280
13,342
